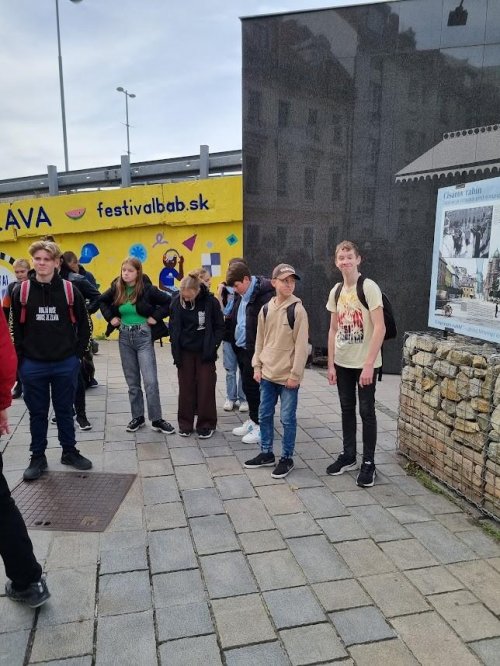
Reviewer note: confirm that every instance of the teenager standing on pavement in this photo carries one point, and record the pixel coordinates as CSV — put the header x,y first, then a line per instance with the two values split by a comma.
x,y
137,308
354,340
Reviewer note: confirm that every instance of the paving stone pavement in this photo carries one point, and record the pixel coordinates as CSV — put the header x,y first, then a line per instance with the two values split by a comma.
x,y
209,563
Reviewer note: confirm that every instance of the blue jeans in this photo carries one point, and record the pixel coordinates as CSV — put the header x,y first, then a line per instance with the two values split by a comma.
x,y
41,379
137,354
234,390
269,393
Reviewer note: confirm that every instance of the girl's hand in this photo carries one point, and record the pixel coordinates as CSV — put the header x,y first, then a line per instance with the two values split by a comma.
x,y
116,321
151,321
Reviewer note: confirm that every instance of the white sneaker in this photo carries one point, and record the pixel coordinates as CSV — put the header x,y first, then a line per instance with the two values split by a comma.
x,y
253,436
228,405
243,406
244,429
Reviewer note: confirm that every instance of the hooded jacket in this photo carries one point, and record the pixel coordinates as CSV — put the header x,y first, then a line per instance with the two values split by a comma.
x,y
281,352
48,334
262,293
87,289
214,326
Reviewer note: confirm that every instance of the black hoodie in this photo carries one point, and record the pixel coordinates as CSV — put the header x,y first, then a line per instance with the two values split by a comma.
x,y
48,334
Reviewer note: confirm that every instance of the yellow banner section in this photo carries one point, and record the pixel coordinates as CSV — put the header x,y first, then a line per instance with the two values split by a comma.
x,y
102,229
174,204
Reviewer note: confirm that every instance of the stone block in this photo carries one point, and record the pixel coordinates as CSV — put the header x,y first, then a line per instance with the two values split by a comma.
x,y
408,554
280,499
318,559
261,542
188,455
124,559
248,515
79,549
14,617
165,516
171,550
379,523
361,625
364,557
444,545
161,467
126,639
190,477
202,502
343,528
66,585
196,651
383,653
267,653
480,577
468,617
394,595
359,497
487,651
224,466
276,569
213,534
227,575
124,593
321,502
413,513
340,594
183,621
13,647
242,620
179,587
234,487
160,489
293,607
316,643
296,524
62,641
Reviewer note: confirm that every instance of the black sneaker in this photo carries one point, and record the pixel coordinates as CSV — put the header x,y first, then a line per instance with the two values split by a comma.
x,y
17,391
53,420
262,460
135,424
367,474
205,433
163,426
185,433
283,468
341,465
94,346
74,458
34,595
83,423
38,463
92,383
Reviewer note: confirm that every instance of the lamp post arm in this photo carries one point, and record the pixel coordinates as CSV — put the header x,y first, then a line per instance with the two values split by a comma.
x,y
61,88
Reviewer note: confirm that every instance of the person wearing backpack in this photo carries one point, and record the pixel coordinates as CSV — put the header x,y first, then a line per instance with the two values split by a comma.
x,y
355,338
21,270
51,332
281,350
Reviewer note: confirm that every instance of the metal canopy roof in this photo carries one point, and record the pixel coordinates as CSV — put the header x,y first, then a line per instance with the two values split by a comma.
x,y
473,150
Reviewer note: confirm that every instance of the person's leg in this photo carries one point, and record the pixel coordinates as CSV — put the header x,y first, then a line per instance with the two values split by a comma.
x,y
250,386
288,418
206,379
63,382
131,371
230,366
147,364
347,379
269,392
80,408
36,386
369,419
16,549
241,393
186,374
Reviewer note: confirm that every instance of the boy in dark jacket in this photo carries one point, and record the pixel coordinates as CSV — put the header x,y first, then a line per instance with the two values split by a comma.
x,y
251,293
50,337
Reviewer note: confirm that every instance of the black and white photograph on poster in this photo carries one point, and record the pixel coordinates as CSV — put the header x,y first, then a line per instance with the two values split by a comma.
x,y
460,292
467,232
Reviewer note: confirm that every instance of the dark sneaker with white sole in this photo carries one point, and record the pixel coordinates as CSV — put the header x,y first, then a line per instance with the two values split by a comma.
x,y
135,424
185,433
341,465
262,460
283,468
33,596
38,463
205,433
163,426
74,458
367,474
83,423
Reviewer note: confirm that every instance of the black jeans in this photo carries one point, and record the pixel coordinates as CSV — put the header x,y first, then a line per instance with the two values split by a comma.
x,y
347,381
16,548
250,387
80,406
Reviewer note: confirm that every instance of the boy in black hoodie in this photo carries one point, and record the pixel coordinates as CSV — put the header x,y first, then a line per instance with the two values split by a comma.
x,y
49,347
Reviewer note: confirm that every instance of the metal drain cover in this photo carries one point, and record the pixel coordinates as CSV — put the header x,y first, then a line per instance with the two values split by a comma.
x,y
76,501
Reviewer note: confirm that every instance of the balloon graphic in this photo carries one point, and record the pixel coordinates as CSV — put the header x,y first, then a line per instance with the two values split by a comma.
x,y
138,251
89,251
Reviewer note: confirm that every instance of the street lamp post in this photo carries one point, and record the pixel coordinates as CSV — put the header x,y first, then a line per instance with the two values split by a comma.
x,y
61,87
127,95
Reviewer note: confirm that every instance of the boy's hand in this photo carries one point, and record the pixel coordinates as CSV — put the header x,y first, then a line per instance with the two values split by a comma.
x,y
4,423
332,376
257,375
151,321
366,376
116,321
291,383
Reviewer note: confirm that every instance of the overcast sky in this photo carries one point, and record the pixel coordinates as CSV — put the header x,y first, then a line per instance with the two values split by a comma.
x,y
182,58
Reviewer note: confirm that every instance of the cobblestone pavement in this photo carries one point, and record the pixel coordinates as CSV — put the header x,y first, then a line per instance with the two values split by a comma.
x,y
209,563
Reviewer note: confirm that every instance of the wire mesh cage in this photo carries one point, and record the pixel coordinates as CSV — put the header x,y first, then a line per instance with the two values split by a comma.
x,y
449,414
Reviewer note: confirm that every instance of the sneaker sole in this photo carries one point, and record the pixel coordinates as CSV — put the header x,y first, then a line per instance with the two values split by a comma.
x,y
367,485
135,429
185,434
255,442
89,427
346,468
78,467
268,464
33,604
226,409
165,432
281,476
205,436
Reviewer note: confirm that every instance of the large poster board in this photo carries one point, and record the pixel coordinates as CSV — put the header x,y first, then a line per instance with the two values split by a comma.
x,y
465,283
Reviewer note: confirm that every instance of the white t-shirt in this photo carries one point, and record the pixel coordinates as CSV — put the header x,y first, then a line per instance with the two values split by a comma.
x,y
355,328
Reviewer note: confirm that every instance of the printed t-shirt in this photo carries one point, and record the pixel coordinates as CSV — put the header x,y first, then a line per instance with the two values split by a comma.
x,y
355,328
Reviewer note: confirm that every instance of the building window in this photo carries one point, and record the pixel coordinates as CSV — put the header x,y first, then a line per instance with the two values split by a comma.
x,y
251,174
283,113
282,179
309,183
254,107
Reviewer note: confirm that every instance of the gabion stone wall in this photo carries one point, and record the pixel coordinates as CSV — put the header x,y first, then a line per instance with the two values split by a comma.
x,y
449,414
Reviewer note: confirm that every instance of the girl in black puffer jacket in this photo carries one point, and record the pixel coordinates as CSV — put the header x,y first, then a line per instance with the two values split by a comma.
x,y
196,330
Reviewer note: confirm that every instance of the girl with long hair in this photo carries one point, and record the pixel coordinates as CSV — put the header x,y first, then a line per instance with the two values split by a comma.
x,y
196,329
137,309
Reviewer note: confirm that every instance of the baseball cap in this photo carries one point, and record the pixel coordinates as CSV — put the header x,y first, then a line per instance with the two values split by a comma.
x,y
282,270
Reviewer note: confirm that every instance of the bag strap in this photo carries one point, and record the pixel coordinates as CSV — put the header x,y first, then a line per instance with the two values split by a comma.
x,y
25,292
290,313
70,299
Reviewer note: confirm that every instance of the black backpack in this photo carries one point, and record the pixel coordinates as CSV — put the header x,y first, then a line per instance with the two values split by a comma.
x,y
290,313
391,330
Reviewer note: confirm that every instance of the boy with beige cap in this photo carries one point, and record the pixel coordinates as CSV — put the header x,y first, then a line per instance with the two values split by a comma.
x,y
281,350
